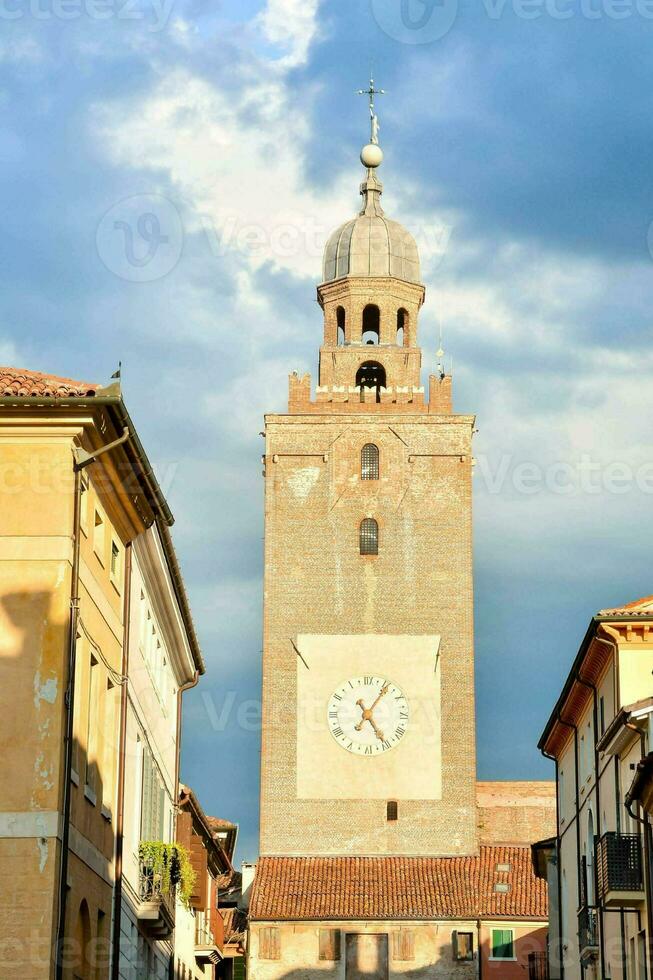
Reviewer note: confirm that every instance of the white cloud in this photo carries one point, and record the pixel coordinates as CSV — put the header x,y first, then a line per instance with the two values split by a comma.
x,y
293,25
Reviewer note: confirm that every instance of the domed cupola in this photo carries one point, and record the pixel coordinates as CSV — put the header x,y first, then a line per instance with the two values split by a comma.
x,y
371,245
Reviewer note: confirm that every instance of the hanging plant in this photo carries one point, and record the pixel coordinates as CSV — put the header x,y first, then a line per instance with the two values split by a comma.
x,y
168,867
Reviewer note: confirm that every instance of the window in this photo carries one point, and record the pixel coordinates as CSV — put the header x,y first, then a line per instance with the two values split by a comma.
x,y
502,887
370,462
392,810
98,536
403,944
602,714
152,800
371,324
93,726
83,504
329,944
340,325
503,944
369,537
115,563
463,945
269,946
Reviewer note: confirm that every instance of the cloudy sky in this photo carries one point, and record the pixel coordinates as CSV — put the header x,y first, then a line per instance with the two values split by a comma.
x,y
170,169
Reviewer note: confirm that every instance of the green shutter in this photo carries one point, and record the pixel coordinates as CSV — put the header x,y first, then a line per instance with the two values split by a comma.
x,y
502,944
147,794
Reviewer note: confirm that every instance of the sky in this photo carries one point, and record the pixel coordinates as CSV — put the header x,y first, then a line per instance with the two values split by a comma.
x,y
169,171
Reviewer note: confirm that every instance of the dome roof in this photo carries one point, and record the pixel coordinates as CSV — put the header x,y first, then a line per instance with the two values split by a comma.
x,y
371,245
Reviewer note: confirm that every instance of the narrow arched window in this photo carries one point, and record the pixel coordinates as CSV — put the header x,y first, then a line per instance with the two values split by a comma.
x,y
371,324
370,462
369,537
340,324
402,326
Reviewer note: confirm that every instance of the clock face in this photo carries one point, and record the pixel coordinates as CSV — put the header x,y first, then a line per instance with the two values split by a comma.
x,y
368,715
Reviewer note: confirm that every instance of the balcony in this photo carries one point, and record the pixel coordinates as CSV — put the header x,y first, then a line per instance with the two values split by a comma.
x,y
156,909
619,870
206,947
588,934
538,966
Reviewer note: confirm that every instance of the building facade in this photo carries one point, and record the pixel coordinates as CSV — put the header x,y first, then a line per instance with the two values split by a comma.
x,y
77,501
378,847
597,865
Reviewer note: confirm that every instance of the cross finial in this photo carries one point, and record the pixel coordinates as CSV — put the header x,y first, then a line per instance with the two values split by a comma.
x,y
374,120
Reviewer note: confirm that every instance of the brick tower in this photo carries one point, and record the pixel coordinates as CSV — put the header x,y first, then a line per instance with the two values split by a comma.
x,y
368,744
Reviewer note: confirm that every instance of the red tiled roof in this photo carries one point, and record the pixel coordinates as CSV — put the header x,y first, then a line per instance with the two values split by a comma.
x,y
398,887
20,383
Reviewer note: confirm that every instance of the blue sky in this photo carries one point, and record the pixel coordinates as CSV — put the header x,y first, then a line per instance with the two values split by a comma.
x,y
170,170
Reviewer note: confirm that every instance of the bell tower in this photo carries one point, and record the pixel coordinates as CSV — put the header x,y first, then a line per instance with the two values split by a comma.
x,y
368,741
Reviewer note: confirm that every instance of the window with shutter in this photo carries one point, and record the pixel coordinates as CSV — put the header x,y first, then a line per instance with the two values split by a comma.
x,y
463,945
503,945
269,945
147,794
330,944
403,944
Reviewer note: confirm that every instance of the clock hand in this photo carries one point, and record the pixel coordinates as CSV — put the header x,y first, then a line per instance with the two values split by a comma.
x,y
382,694
367,716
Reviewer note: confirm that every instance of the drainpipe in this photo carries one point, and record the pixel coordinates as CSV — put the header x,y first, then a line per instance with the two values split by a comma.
x,y
646,833
120,803
82,459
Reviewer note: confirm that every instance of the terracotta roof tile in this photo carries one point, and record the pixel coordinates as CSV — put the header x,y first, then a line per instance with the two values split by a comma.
x,y
398,887
20,383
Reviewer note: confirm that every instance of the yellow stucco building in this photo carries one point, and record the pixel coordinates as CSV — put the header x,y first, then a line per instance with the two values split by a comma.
x,y
70,508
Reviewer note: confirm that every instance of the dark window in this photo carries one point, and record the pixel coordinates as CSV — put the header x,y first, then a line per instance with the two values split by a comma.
x,y
369,462
463,945
392,810
371,324
371,374
340,323
602,713
369,537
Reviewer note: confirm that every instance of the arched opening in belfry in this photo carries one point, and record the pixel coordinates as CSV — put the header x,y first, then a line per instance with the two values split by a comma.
x,y
402,326
340,324
371,324
371,374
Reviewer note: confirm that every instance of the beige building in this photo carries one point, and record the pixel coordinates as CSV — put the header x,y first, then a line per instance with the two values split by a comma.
x,y
81,515
596,865
379,850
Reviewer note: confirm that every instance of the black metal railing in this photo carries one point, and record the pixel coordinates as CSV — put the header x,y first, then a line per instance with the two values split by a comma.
x,y
588,935
153,887
203,931
538,966
619,863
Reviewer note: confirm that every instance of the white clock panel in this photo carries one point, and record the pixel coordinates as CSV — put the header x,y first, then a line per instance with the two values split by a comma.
x,y
368,717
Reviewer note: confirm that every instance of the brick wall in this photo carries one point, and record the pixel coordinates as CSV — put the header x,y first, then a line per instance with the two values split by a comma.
x,y
317,582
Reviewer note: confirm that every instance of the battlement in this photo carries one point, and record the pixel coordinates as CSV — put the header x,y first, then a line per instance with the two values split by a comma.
x,y
354,398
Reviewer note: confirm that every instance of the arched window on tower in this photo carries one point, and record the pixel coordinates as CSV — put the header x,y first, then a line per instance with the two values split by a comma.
x,y
371,324
402,326
340,324
370,462
369,536
371,374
